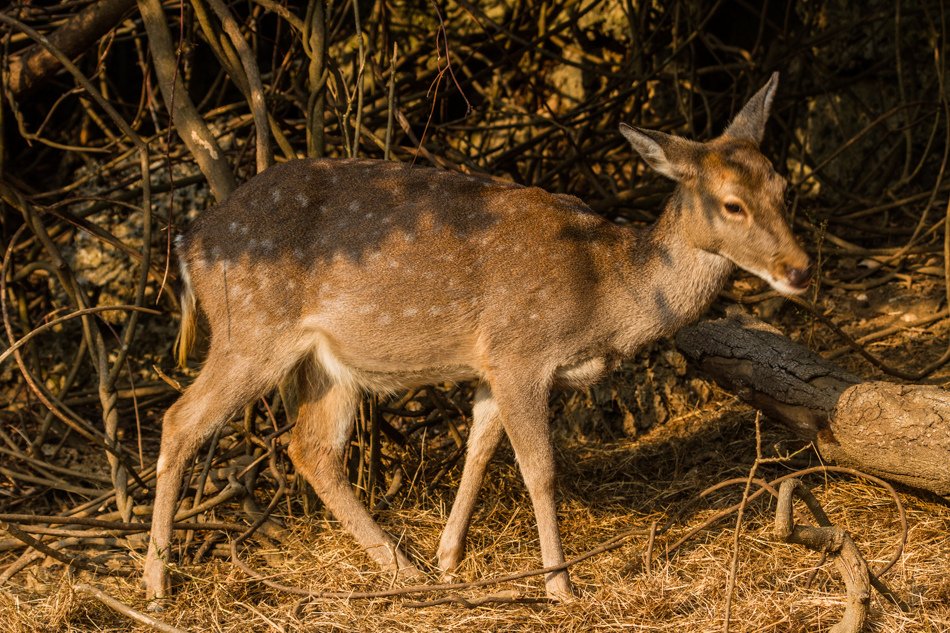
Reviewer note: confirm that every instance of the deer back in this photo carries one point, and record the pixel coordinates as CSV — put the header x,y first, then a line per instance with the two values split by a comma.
x,y
401,269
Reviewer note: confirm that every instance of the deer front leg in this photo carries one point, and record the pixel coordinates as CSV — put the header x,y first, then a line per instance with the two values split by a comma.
x,y
524,414
483,440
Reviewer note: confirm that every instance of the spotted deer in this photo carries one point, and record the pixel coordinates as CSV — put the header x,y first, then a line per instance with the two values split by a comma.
x,y
362,276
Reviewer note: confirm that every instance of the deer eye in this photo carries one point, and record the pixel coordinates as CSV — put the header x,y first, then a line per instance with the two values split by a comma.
x,y
733,208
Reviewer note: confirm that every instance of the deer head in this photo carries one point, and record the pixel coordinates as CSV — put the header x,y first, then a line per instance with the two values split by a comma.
x,y
730,198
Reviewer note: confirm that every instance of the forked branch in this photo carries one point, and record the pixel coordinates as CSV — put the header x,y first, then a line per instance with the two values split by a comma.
x,y
828,539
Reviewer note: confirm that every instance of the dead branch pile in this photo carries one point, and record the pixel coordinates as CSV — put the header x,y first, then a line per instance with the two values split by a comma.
x,y
121,120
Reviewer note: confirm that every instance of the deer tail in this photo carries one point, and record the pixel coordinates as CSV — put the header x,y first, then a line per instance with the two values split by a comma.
x,y
189,318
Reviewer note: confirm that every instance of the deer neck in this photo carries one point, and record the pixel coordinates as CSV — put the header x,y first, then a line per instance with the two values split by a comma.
x,y
667,281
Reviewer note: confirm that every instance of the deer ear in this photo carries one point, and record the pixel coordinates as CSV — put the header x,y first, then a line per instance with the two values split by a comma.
x,y
749,124
672,156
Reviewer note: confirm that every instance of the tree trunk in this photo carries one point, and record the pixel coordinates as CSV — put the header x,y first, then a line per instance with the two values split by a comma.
x,y
899,432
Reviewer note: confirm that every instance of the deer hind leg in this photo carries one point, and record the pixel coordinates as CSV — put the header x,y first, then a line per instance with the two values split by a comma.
x,y
483,440
225,384
324,423
524,413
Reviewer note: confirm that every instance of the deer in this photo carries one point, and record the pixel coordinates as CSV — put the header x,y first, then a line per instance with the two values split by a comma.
x,y
358,276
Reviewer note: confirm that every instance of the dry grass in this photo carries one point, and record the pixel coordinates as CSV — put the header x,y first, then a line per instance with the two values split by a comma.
x,y
605,488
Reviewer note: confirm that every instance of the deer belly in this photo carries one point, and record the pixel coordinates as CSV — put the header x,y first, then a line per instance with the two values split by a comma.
x,y
581,374
382,365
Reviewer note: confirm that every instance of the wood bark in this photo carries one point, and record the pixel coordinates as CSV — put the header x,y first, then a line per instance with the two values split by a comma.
x,y
895,431
30,68
190,126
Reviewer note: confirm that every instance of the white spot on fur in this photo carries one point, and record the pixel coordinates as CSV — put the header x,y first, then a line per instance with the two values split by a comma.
x,y
369,216
243,230
298,254
302,200
366,308
393,263
185,274
324,288
410,312
267,245
276,195
435,310
534,316
355,206
338,373
385,319
232,227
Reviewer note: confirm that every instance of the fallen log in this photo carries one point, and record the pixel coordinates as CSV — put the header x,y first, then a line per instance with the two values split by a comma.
x,y
895,431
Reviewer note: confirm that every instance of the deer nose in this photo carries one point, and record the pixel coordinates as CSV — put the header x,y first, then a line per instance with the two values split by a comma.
x,y
799,277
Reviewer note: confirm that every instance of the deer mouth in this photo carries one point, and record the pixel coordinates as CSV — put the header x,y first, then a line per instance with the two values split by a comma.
x,y
785,287
786,282
798,278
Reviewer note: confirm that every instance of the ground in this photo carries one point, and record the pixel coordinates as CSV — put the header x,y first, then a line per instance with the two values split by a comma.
x,y
611,482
